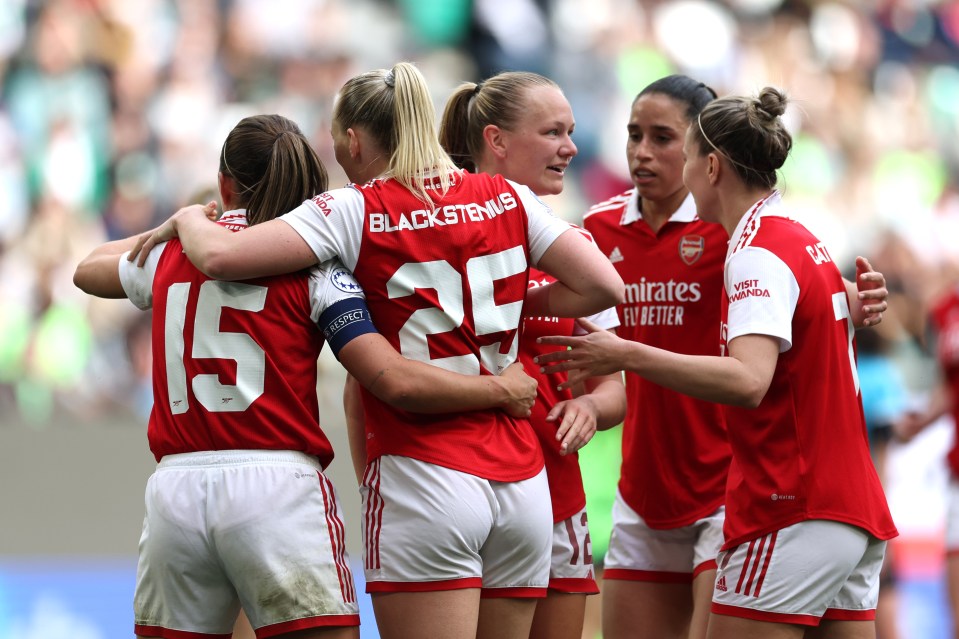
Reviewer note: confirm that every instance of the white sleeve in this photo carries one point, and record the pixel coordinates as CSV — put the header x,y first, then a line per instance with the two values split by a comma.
x,y
137,282
604,319
331,282
762,293
543,227
332,224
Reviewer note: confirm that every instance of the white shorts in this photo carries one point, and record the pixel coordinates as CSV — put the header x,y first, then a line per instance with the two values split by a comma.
x,y
571,568
806,572
427,527
259,529
952,517
677,555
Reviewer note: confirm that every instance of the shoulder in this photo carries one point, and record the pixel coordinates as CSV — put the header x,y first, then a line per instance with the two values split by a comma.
x,y
612,207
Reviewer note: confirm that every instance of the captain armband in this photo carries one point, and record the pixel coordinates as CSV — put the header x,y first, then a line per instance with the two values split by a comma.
x,y
344,321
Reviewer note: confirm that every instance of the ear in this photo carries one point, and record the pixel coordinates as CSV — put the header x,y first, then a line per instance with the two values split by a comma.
x,y
355,144
713,168
227,186
495,139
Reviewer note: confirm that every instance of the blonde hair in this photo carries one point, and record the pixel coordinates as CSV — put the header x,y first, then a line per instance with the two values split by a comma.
x,y
749,133
394,106
499,100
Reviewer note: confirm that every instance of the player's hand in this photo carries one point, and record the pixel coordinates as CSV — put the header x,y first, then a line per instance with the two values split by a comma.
x,y
577,423
520,388
595,354
872,295
167,231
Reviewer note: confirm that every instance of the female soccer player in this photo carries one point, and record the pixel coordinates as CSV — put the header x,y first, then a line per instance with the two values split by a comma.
x,y
519,125
456,503
668,513
235,426
806,519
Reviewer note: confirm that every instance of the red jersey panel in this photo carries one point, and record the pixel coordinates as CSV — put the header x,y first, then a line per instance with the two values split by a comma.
x,y
945,323
675,453
563,473
234,363
446,286
802,453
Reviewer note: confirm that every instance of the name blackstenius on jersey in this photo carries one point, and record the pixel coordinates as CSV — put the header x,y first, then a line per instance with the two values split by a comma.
x,y
442,216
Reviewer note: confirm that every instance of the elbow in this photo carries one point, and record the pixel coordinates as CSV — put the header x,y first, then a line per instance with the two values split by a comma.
x,y
615,290
79,280
214,264
398,391
749,395
84,278
610,293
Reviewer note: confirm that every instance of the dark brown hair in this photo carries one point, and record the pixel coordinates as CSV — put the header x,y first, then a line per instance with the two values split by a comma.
x,y
749,133
273,165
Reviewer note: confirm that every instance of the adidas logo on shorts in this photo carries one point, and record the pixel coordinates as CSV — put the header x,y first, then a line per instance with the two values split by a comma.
x,y
721,584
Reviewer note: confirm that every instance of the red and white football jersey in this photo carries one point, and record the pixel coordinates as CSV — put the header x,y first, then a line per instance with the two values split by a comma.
x,y
675,453
562,471
802,453
234,363
945,323
445,284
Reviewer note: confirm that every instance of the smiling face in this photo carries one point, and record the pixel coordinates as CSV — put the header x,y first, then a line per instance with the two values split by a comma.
x,y
657,128
539,147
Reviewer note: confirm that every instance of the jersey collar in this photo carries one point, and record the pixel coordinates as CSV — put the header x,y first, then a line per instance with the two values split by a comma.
x,y
685,213
234,218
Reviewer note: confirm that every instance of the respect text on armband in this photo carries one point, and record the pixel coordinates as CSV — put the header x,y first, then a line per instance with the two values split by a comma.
x,y
442,216
342,321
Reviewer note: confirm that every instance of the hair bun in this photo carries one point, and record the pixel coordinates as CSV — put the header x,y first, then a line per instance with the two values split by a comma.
x,y
770,104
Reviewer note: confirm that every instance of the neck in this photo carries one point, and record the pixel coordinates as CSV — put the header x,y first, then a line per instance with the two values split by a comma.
x,y
733,205
657,213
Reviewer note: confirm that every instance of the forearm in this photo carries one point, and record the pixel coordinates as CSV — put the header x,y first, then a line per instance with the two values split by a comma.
x,y
98,273
723,380
587,282
269,248
424,388
417,386
608,396
210,247
559,300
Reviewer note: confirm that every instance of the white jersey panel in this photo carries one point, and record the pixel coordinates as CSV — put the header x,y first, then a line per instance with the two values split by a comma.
x,y
542,226
763,293
331,282
331,224
137,282
604,319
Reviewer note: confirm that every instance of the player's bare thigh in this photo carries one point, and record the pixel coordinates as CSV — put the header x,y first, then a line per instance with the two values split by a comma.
x,y
559,615
453,614
646,609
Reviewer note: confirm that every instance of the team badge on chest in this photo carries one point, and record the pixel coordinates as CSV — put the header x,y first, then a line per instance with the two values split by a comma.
x,y
691,248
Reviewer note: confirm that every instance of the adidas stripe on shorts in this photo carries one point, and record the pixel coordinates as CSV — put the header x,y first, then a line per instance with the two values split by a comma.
x,y
801,574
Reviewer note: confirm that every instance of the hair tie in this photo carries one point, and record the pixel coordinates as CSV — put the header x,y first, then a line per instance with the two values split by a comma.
x,y
477,88
390,79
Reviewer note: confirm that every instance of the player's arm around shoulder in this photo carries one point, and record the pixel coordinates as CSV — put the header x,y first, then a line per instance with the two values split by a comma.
x,y
98,273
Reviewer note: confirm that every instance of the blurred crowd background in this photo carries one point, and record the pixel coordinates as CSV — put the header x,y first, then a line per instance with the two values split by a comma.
x,y
112,113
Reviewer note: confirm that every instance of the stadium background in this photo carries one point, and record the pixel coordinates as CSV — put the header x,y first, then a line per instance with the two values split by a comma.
x,y
112,113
